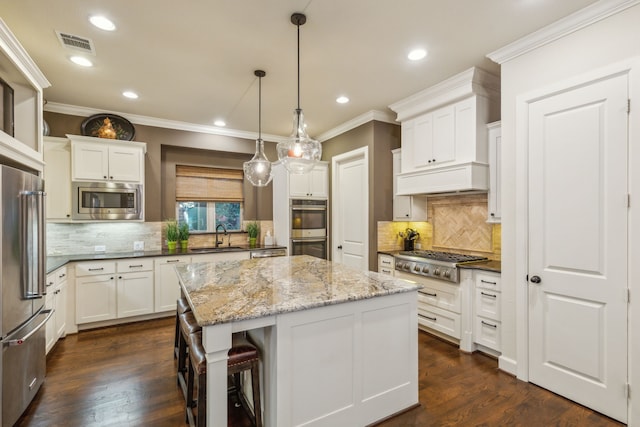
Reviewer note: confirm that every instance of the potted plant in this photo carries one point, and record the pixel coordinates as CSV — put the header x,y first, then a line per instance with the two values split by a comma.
x,y
183,235
253,230
172,234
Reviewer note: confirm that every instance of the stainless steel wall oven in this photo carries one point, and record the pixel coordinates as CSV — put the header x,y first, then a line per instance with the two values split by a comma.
x,y
308,227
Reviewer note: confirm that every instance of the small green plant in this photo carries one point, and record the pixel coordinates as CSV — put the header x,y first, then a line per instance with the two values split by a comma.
x,y
253,229
172,231
183,232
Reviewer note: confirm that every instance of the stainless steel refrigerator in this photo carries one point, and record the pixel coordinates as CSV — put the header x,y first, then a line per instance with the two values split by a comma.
x,y
22,285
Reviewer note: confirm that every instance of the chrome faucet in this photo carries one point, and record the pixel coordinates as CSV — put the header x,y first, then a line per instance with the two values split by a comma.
x,y
219,242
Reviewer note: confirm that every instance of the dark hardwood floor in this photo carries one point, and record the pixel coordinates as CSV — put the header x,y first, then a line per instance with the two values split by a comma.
x,y
125,376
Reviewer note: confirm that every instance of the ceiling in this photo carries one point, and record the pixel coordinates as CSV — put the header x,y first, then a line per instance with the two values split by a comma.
x,y
194,61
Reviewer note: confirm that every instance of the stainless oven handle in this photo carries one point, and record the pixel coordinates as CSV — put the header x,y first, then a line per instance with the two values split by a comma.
x,y
20,341
307,240
308,208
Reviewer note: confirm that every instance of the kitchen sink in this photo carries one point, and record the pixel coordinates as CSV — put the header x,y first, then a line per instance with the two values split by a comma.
x,y
214,249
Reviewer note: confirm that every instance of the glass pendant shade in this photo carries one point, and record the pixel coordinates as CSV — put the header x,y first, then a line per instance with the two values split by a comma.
x,y
258,169
299,153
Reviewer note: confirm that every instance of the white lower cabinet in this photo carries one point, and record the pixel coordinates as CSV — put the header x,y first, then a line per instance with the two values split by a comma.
x,y
386,264
167,285
107,290
487,310
134,287
56,299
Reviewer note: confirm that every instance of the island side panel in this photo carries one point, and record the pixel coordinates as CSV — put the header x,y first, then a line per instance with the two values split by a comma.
x,y
335,365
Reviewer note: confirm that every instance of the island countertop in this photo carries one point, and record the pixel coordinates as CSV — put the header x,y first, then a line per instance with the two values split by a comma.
x,y
229,291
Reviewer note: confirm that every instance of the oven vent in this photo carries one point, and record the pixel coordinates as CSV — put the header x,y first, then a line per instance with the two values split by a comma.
x,y
70,41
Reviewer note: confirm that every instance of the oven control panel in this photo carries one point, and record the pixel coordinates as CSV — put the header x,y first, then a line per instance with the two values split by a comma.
x,y
428,269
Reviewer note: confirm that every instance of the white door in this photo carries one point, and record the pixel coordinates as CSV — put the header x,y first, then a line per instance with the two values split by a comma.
x,y
350,220
578,244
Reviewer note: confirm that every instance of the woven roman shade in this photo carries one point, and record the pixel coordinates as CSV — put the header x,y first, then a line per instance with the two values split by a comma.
x,y
194,183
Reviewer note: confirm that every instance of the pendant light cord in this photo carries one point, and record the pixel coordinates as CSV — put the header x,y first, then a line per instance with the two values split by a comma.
x,y
260,107
298,66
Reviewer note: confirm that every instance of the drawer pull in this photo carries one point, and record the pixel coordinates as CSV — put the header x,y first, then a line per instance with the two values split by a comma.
x,y
491,325
487,282
488,295
61,276
430,294
385,271
433,319
172,260
136,266
386,262
96,269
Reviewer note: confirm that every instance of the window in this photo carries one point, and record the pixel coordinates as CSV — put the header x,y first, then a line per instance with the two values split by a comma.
x,y
207,197
206,216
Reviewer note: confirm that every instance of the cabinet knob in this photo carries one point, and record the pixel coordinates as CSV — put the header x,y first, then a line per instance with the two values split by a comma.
x,y
340,247
110,177
105,177
492,214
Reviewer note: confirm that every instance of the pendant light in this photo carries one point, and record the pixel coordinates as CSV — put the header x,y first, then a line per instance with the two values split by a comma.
x,y
299,153
258,169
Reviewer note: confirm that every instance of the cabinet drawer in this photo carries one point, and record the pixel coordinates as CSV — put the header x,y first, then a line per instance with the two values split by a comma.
x,y
134,264
93,268
386,261
488,332
442,321
487,281
386,271
440,295
488,303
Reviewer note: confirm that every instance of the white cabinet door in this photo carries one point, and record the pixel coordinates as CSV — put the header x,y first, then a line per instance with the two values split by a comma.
x,y
93,161
95,298
57,176
49,304
406,208
60,304
167,285
134,294
125,164
443,143
319,181
495,165
90,162
422,141
312,184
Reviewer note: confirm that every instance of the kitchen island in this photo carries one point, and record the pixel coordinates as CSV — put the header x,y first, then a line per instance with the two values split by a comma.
x,y
339,346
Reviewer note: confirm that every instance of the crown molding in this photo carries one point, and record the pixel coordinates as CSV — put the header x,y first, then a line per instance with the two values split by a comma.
x,y
75,110
10,45
561,28
474,81
380,116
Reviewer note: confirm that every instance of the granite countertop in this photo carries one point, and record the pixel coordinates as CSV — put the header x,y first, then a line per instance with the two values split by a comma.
x,y
56,261
226,291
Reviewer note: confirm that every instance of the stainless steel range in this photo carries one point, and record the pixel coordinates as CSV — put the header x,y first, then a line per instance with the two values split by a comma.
x,y
434,264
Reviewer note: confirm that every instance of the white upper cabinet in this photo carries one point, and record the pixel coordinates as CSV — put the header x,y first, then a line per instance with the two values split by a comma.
x,y
314,184
444,138
495,177
95,159
406,208
57,178
21,124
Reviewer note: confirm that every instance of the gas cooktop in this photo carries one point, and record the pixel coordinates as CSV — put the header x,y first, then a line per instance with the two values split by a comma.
x,y
443,256
434,264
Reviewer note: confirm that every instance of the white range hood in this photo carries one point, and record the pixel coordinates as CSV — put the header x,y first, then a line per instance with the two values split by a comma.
x,y
445,137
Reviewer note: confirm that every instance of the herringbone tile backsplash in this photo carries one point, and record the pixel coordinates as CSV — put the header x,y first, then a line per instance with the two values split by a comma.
x,y
455,224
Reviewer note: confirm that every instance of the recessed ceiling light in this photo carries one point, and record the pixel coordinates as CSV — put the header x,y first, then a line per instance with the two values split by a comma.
x,y
417,54
102,23
130,95
220,123
82,61
342,100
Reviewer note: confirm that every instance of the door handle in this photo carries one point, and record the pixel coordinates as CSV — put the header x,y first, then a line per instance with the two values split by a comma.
x,y
535,279
340,247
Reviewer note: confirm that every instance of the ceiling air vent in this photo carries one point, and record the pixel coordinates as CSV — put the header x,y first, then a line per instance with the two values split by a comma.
x,y
70,41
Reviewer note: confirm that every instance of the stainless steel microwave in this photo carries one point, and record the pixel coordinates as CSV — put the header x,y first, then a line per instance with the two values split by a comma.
x,y
107,201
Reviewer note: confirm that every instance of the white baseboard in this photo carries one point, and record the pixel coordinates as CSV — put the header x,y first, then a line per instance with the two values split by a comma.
x,y
508,365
